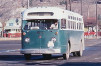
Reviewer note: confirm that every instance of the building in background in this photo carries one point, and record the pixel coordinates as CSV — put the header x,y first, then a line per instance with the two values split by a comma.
x,y
13,28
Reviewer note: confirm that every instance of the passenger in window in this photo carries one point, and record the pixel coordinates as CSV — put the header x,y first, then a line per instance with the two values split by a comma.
x,y
54,26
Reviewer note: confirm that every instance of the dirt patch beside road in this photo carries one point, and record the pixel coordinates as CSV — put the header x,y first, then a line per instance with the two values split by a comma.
x,y
92,42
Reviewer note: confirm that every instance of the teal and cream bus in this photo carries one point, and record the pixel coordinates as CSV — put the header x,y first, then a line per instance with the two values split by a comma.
x,y
51,30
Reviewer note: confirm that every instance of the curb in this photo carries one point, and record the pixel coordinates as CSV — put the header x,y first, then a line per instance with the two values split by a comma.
x,y
5,39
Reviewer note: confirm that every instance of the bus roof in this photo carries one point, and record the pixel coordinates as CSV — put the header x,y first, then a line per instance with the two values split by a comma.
x,y
47,13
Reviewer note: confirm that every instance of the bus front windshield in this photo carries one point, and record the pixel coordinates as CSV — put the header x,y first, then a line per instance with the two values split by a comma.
x,y
41,24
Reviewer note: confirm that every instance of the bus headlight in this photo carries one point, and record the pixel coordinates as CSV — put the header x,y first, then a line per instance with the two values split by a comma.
x,y
27,40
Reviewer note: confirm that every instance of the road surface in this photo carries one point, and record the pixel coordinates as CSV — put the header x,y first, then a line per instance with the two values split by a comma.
x,y
10,56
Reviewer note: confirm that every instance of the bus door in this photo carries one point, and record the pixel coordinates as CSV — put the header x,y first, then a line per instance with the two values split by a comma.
x,y
48,33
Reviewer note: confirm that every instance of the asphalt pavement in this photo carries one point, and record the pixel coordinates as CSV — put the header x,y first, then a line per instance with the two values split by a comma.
x,y
10,55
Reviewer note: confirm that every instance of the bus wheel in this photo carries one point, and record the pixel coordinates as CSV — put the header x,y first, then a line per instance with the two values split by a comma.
x,y
75,53
79,53
66,56
47,56
27,56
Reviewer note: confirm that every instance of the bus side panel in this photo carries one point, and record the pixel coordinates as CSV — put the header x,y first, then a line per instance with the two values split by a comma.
x,y
75,40
72,37
63,38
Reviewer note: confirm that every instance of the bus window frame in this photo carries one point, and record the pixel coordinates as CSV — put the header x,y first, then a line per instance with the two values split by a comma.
x,y
63,23
58,20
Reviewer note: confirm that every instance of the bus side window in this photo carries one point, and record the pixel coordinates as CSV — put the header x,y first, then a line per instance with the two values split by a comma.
x,y
71,25
82,26
74,25
68,24
63,23
77,26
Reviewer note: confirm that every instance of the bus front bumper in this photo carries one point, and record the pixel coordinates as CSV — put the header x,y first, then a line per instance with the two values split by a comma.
x,y
40,51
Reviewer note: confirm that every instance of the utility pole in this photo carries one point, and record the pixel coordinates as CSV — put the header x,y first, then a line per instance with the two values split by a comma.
x,y
97,2
3,25
27,4
70,5
96,22
81,7
68,1
66,4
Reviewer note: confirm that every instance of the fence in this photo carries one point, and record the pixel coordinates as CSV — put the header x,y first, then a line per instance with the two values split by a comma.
x,y
91,34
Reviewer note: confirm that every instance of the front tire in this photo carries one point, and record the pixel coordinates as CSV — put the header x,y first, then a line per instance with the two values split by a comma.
x,y
27,56
75,53
78,53
66,55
